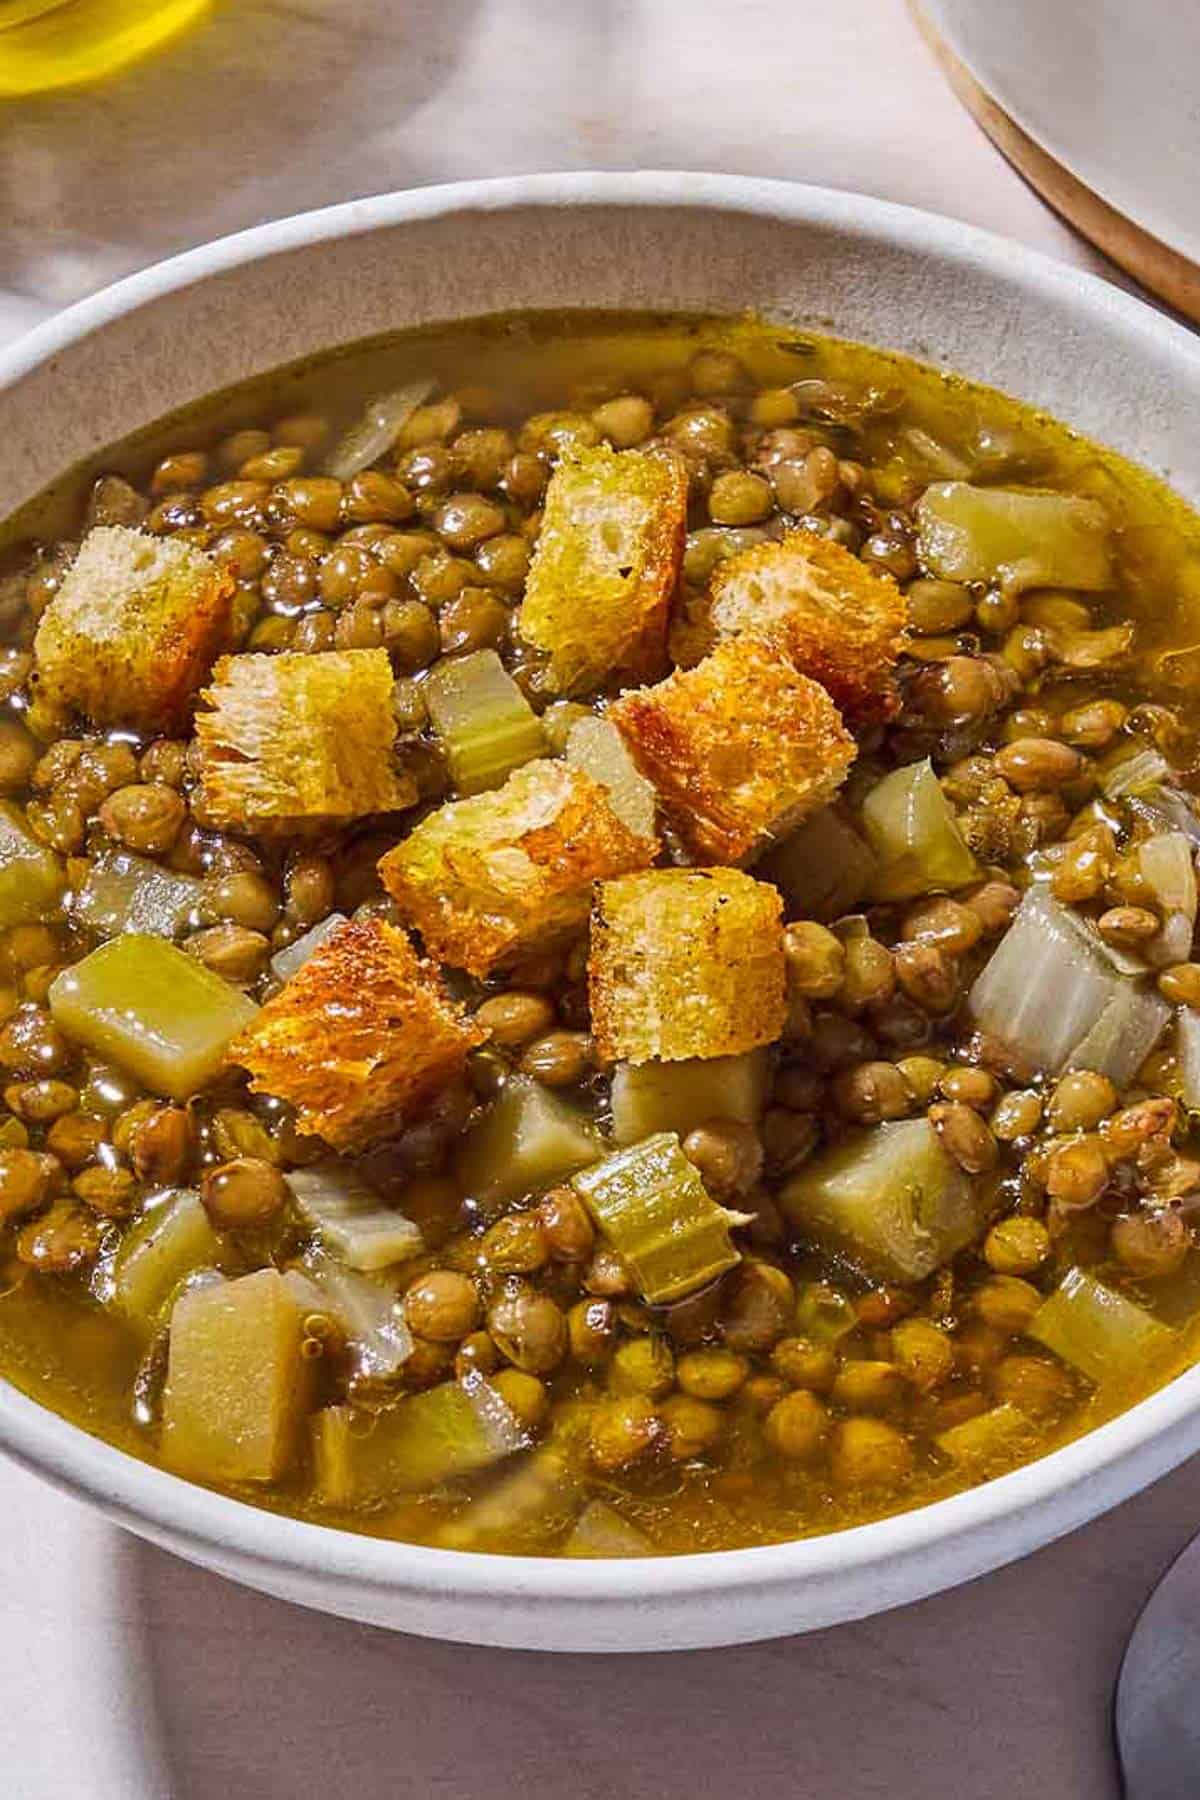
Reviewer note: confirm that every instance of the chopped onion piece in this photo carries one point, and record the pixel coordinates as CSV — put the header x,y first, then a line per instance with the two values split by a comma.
x,y
1169,871
601,1531
350,1217
384,418
1051,995
367,1310
1124,1035
1187,1056
597,747
122,892
285,963
1140,773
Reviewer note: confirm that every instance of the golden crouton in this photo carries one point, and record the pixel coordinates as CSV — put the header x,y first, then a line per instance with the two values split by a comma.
x,y
842,623
603,574
295,738
362,1038
133,629
686,962
741,748
484,878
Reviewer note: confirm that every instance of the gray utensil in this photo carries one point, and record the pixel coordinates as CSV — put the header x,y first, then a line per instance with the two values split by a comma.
x,y
1158,1692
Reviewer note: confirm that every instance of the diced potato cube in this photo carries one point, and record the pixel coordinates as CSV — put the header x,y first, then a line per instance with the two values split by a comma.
x,y
300,737
740,748
598,595
152,1008
842,623
31,877
122,892
1021,538
237,1386
823,869
133,629
890,1199
678,1096
361,1040
686,963
172,1238
526,1139
485,878
449,1431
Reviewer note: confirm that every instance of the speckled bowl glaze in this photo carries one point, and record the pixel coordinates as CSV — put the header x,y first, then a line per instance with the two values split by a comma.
x,y
858,267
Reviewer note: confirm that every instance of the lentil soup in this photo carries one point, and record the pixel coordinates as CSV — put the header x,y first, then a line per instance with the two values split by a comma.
x,y
596,937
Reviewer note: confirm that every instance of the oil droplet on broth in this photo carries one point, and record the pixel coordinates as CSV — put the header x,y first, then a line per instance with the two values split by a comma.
x,y
55,43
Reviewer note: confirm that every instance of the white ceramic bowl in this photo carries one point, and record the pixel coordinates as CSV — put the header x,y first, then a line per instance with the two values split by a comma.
x,y
858,267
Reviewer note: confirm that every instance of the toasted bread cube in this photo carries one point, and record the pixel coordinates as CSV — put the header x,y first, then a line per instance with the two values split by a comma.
x,y
741,748
485,878
297,738
842,624
603,575
686,962
361,1040
134,629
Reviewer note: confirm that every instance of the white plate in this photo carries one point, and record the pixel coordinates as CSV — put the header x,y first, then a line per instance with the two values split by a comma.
x,y
891,276
1110,93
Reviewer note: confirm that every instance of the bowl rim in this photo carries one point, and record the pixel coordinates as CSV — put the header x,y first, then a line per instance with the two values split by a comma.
x,y
1155,1434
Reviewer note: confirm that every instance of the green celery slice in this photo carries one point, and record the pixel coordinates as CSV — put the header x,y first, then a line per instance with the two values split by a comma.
x,y
657,1096
656,1212
152,1008
890,1199
170,1240
122,892
915,836
238,1383
1098,1331
601,1531
449,1431
31,877
1020,538
485,722
823,869
527,1139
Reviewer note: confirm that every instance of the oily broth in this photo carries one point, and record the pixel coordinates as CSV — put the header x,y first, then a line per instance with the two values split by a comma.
x,y
66,1352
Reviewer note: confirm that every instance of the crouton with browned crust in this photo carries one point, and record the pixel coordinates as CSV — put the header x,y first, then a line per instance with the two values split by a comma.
x,y
486,878
604,571
361,1040
134,629
298,739
741,748
686,962
843,623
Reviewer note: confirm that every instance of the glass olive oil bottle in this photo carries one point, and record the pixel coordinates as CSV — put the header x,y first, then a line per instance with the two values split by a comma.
x,y
55,43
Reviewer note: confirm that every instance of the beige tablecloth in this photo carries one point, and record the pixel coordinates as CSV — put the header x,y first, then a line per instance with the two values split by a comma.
x,y
125,1675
